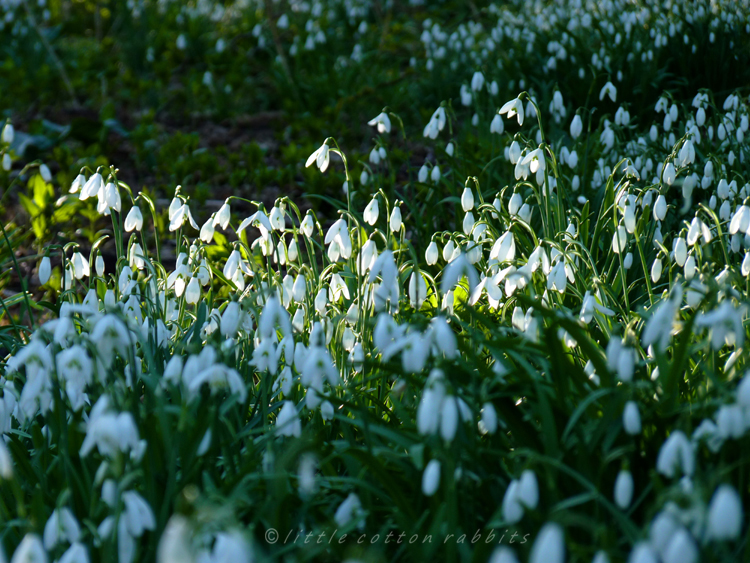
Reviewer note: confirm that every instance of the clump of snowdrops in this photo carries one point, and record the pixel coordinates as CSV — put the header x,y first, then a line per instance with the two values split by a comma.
x,y
568,363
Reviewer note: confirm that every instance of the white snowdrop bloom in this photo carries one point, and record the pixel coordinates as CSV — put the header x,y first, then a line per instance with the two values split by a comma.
x,y
610,90
669,173
61,527
631,418
321,158
80,266
435,174
8,134
138,515
730,422
348,511
624,489
76,553
724,324
134,219
30,550
512,508
371,212
467,199
677,451
503,555
528,489
488,423
382,122
477,81
743,391
455,271
620,240
338,238
496,125
576,126
192,291
394,221
504,248
431,254
600,557
6,462
448,418
180,215
680,250
45,270
656,270
549,545
92,186
417,290
513,108
681,548
642,552
724,520
515,203
175,544
287,421
431,478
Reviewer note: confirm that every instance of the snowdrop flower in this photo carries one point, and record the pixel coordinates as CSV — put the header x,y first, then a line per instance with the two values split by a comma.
x,y
138,515
624,489
8,134
348,511
477,81
610,90
435,174
6,462
503,555
175,544
681,548
431,254
80,266
467,199
643,553
372,211
30,550
436,124
287,421
724,514
109,432
455,271
631,418
668,174
134,219
576,126
496,125
431,478
61,526
92,186
382,121
45,270
395,220
549,546
338,235
513,108
179,213
320,157
488,422
660,208
724,324
676,451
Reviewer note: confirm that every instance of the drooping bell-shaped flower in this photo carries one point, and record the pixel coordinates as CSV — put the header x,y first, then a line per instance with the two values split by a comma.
x,y
431,478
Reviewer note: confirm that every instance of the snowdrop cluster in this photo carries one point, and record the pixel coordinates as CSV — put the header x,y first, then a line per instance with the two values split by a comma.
x,y
562,345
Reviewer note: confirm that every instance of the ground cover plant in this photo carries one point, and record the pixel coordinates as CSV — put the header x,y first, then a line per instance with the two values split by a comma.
x,y
374,281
